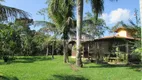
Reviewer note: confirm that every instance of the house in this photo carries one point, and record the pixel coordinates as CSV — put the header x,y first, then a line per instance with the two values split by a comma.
x,y
125,32
106,46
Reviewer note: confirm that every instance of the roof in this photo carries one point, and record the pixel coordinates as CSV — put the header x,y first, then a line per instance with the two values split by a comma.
x,y
105,38
124,28
119,37
120,28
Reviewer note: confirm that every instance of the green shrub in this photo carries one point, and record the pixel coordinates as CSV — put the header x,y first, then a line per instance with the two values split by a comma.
x,y
5,58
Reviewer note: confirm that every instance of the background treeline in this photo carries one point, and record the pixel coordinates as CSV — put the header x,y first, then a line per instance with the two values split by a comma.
x,y
17,39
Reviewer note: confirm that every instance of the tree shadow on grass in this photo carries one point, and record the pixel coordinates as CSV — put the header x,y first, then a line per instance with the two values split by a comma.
x,y
30,59
8,78
26,60
68,77
137,67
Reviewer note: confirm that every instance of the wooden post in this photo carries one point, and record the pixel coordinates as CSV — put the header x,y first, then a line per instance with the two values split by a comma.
x,y
83,50
88,52
127,51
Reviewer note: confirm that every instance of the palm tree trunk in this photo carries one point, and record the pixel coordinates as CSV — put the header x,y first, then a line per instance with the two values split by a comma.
x,y
78,36
53,50
47,51
66,59
141,24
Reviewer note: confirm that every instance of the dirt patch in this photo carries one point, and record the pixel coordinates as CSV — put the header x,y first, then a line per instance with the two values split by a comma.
x,y
73,67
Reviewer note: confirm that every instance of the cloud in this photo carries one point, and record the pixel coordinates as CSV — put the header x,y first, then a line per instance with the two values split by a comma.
x,y
105,16
116,16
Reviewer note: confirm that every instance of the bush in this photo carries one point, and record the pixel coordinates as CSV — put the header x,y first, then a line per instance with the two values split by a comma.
x,y
135,58
5,58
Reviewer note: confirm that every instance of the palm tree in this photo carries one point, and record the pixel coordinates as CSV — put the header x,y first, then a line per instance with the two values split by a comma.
x,y
7,13
141,24
48,28
97,9
61,13
78,30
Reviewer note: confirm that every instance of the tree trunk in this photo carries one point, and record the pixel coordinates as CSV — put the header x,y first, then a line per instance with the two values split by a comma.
x,y
47,51
53,51
127,52
66,59
78,36
5,58
141,25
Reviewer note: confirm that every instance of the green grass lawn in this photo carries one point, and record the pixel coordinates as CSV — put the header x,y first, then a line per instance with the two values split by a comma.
x,y
44,68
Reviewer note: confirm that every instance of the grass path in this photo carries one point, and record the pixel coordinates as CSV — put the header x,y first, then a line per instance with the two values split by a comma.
x,y
42,68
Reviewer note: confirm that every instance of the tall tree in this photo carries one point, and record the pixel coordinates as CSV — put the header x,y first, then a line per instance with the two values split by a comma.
x,y
61,14
93,29
78,30
97,9
141,22
49,28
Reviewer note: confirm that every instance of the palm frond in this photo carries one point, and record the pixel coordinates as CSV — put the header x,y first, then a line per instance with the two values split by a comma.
x,y
97,7
64,10
119,24
2,0
44,23
11,13
92,21
88,35
87,21
44,29
92,27
69,24
46,26
132,23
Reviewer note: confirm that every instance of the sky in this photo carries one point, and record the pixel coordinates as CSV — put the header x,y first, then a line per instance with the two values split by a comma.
x,y
122,10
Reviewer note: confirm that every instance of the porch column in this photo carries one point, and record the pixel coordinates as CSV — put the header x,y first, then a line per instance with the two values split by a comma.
x,y
127,51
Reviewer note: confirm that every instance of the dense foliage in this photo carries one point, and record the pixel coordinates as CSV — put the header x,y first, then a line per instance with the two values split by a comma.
x,y
17,39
